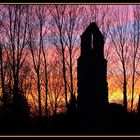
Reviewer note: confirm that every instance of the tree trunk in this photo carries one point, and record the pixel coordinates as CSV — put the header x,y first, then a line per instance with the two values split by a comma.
x,y
133,86
125,91
71,75
39,96
2,82
46,83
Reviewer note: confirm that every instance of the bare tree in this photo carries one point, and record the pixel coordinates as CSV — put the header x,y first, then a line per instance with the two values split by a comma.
x,y
2,78
72,28
43,15
135,49
2,15
58,15
15,34
119,37
55,86
35,50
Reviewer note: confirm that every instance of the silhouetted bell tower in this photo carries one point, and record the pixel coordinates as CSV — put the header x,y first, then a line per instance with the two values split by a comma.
x,y
92,71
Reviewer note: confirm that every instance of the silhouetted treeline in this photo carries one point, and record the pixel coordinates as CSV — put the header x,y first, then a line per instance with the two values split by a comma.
x,y
39,48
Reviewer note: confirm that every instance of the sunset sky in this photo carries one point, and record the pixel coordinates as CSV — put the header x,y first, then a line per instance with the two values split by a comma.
x,y
61,26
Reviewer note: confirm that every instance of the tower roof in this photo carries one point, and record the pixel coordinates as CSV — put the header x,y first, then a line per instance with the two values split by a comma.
x,y
92,29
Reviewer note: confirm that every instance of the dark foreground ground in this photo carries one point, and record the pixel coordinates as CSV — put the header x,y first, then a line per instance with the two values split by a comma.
x,y
115,122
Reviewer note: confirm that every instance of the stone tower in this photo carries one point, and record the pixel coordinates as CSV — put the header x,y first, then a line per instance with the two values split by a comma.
x,y
92,71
